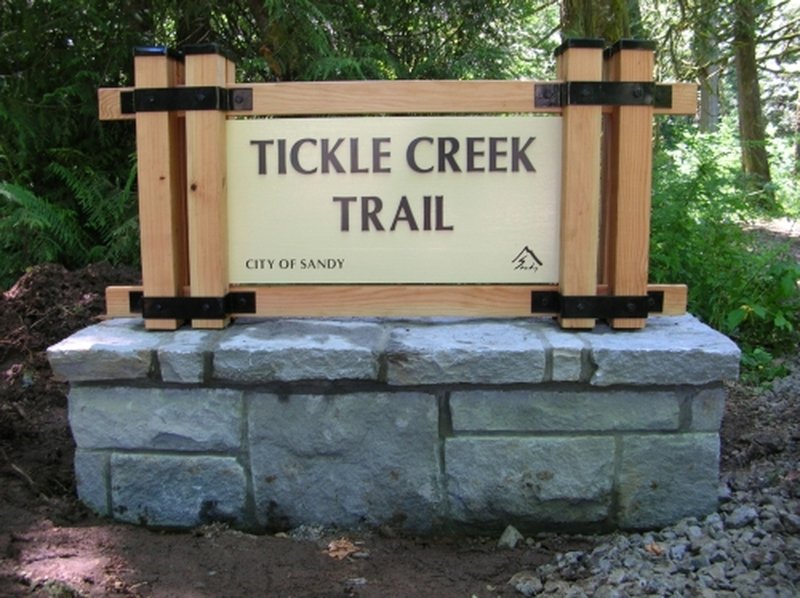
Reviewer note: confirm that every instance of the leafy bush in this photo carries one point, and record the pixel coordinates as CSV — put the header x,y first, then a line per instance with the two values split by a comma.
x,y
739,282
104,225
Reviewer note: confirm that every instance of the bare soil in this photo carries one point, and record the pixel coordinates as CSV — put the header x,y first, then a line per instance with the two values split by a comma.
x,y
50,545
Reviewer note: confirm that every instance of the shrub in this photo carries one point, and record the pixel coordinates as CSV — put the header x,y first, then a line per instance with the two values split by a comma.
x,y
739,282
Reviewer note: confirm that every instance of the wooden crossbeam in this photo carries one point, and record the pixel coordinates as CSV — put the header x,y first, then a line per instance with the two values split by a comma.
x,y
507,301
395,97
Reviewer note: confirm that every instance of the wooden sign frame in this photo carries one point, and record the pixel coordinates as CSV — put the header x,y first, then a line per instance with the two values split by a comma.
x,y
606,97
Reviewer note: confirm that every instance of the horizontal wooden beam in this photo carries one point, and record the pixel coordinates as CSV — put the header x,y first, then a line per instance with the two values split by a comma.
x,y
490,301
394,97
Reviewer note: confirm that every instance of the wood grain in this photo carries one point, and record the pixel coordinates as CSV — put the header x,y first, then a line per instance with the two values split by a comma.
x,y
207,186
394,97
162,221
479,301
630,166
580,183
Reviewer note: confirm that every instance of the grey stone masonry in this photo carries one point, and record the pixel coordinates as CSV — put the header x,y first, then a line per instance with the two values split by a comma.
x,y
423,425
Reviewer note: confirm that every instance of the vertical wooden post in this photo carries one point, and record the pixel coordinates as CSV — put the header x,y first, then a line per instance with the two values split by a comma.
x,y
206,181
630,164
162,200
580,60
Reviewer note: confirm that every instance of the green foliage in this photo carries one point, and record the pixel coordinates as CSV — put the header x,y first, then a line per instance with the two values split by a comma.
x,y
108,211
785,169
34,230
67,179
62,171
739,282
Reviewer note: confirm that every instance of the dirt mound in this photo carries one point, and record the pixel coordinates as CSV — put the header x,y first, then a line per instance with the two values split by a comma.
x,y
46,305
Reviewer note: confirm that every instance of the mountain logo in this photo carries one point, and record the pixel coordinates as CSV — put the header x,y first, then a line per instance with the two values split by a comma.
x,y
526,260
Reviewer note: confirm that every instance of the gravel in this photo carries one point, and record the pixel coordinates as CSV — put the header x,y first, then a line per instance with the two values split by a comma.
x,y
749,547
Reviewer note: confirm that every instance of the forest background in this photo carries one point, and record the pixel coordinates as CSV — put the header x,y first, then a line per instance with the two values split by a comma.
x,y
68,181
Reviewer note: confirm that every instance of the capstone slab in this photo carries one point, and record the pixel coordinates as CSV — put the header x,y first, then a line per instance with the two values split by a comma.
x,y
568,358
119,349
182,359
289,350
678,349
422,425
471,353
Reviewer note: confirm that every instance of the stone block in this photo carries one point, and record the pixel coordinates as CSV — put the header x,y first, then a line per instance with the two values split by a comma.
x,y
112,350
345,460
708,407
567,353
177,490
494,481
664,478
575,410
91,479
182,357
471,353
201,419
288,350
670,350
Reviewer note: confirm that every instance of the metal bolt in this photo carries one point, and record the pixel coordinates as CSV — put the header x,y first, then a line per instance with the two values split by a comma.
x,y
638,92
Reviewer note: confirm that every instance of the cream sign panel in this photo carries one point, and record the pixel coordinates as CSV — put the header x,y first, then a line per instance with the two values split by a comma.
x,y
394,200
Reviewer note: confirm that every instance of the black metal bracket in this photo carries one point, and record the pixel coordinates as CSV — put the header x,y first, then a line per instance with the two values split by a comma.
x,y
169,99
601,307
192,308
602,93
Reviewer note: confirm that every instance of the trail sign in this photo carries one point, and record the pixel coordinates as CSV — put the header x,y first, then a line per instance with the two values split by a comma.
x,y
400,205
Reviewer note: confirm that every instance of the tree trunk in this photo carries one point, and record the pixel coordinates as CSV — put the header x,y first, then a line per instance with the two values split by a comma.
x,y
606,19
797,136
752,135
706,54
709,98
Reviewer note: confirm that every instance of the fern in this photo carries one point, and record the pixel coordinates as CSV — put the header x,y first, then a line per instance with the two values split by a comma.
x,y
33,231
108,211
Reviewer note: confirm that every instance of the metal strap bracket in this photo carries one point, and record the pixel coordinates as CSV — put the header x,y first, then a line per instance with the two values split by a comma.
x,y
602,93
192,308
171,99
601,307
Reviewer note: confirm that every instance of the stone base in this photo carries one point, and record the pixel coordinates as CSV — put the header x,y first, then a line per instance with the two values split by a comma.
x,y
425,425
